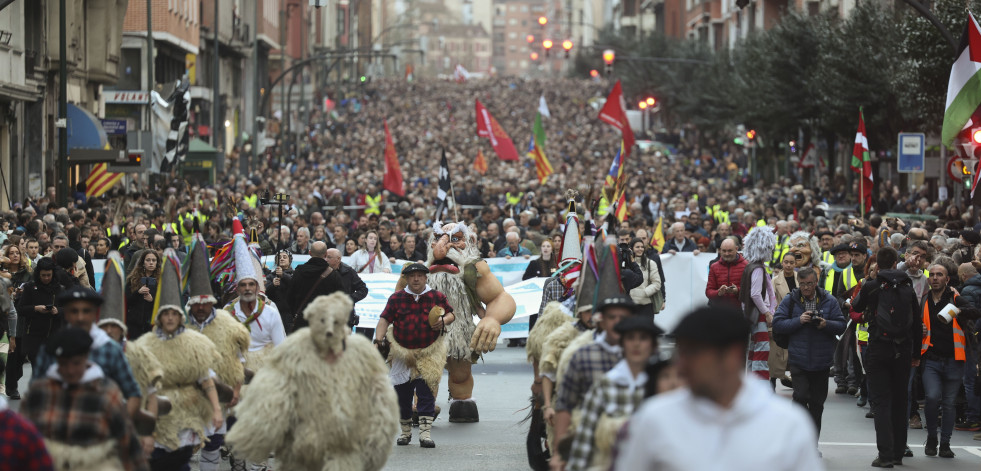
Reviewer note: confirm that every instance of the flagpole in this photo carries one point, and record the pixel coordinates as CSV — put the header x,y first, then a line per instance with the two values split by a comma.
x,y
456,217
861,192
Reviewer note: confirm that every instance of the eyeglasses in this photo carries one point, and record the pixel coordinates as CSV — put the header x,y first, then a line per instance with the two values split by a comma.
x,y
808,283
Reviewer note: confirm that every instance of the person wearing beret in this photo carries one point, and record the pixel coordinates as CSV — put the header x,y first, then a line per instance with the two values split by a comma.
x,y
80,412
675,430
609,402
969,241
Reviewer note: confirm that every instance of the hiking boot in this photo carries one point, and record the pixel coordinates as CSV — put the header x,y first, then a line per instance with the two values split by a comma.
x,y
841,390
852,390
13,396
915,422
972,426
425,427
406,436
945,451
881,462
787,383
931,446
862,401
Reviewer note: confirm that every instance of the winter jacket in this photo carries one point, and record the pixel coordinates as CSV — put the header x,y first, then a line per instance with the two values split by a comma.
x,y
689,246
39,324
649,290
722,273
351,283
278,294
303,290
810,348
971,290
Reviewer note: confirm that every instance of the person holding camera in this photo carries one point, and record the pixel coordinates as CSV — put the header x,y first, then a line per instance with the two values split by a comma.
x,y
278,285
36,306
142,283
811,317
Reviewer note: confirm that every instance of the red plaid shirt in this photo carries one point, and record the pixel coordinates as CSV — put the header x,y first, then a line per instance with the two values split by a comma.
x,y
410,317
21,446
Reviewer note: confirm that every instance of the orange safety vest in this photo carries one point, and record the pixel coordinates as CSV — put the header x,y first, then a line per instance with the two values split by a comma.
x,y
959,340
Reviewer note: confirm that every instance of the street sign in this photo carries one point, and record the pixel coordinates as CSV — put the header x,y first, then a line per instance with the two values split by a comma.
x,y
114,126
955,168
911,152
127,97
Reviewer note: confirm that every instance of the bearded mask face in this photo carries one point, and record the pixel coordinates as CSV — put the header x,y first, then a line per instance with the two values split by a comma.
x,y
452,246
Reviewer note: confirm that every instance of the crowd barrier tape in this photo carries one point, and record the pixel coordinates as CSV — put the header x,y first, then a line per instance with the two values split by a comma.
x,y
686,275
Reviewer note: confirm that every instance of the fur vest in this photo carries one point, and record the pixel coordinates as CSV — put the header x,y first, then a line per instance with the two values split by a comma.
x,y
185,359
426,363
146,368
99,457
551,319
231,338
460,332
311,412
554,345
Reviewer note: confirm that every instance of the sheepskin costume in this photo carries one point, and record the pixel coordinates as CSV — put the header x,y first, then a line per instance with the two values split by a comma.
x,y
324,402
102,456
231,339
426,363
185,358
554,315
147,369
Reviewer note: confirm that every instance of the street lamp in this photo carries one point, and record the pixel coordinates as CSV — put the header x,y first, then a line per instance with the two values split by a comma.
x,y
594,73
651,101
534,56
547,44
642,105
608,57
567,46
530,38
542,21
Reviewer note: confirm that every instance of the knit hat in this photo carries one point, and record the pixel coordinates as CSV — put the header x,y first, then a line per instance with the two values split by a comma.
x,y
114,296
197,276
169,285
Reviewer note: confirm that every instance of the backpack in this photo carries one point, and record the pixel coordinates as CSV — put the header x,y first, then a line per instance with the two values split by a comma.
x,y
893,315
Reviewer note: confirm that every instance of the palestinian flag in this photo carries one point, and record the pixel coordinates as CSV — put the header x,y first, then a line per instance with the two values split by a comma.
x,y
536,150
964,87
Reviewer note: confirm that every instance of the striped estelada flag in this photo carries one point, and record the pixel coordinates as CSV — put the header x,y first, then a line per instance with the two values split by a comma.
x,y
964,85
536,150
100,180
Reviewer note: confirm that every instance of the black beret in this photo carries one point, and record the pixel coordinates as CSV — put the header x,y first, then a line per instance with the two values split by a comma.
x,y
720,326
971,237
839,248
414,267
642,322
858,247
821,234
66,258
68,342
78,293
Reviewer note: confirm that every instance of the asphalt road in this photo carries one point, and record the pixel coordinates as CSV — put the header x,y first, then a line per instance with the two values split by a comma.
x,y
497,442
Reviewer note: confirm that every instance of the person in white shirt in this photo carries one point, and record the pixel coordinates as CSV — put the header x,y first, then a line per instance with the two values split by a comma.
x,y
260,317
717,421
370,258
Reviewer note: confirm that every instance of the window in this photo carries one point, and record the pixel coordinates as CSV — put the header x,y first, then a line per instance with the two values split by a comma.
x,y
524,64
512,48
524,8
512,63
512,35
514,8
513,22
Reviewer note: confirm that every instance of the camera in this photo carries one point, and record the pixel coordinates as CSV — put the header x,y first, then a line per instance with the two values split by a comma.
x,y
148,281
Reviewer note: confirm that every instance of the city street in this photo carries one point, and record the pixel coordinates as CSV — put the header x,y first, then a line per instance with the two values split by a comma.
x,y
497,442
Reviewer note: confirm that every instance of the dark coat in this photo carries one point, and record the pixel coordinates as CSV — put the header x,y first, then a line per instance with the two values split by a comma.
x,y
279,294
40,324
810,349
307,285
351,283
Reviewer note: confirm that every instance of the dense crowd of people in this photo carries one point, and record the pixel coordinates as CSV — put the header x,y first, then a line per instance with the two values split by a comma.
x,y
826,275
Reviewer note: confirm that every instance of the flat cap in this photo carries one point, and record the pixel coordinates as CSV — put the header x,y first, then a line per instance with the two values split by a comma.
x,y
858,247
414,267
971,237
78,293
718,326
641,322
69,342
617,301
839,248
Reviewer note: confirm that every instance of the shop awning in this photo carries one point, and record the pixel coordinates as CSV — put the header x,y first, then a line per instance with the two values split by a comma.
x,y
85,130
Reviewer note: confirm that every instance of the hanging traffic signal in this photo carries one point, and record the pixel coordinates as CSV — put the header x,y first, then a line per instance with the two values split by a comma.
x,y
364,79
608,57
751,134
976,135
547,44
567,45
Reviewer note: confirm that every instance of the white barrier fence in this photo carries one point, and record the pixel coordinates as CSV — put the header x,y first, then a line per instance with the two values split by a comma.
x,y
686,278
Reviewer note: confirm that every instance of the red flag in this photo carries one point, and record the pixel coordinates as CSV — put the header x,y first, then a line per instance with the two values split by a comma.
x,y
614,113
393,174
861,163
480,164
487,127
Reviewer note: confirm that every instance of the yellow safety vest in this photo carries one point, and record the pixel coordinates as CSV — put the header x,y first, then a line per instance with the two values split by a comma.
x,y
253,200
513,200
781,249
849,282
761,223
862,332
826,257
188,233
603,207
373,204
171,226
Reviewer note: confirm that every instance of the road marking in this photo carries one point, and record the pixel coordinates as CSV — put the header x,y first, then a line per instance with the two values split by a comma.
x,y
973,450
970,449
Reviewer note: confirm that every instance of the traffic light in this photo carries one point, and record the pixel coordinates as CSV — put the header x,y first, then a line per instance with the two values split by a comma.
x,y
567,45
530,38
547,44
976,136
534,56
364,79
608,57
594,73
542,21
751,134
651,101
642,105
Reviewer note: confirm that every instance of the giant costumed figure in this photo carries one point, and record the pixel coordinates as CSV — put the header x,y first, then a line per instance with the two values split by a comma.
x,y
456,269
323,402
758,249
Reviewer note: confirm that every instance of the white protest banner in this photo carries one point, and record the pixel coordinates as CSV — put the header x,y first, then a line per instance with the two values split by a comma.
x,y
685,278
